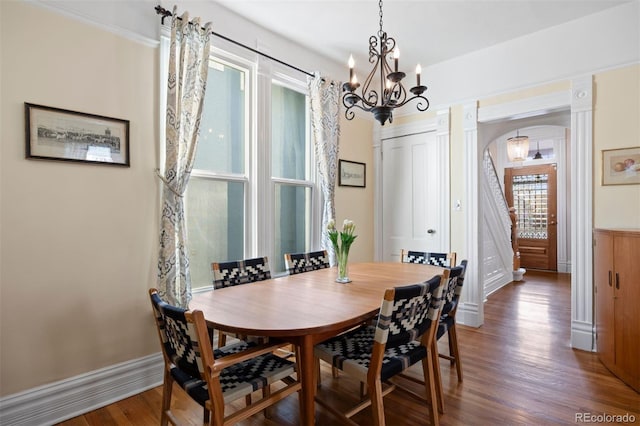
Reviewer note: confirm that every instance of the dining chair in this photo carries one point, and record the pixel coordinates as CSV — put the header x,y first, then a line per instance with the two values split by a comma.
x,y
403,335
297,263
447,322
238,272
215,378
446,260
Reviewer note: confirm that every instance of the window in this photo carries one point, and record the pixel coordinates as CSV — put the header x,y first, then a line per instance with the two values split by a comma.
x,y
252,189
215,200
290,170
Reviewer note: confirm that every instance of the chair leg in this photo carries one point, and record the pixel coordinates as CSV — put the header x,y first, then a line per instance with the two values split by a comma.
x,y
451,350
266,393
428,372
437,375
318,375
222,339
166,397
375,392
455,353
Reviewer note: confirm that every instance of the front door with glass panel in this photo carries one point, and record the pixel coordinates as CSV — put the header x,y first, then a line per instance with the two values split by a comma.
x,y
532,191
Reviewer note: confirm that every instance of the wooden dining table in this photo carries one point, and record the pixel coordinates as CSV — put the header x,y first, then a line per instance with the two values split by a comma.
x,y
308,308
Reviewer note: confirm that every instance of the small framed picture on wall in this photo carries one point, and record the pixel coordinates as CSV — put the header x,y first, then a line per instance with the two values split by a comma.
x,y
621,166
352,173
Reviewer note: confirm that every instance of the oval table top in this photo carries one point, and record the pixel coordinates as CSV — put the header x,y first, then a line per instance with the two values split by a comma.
x,y
307,303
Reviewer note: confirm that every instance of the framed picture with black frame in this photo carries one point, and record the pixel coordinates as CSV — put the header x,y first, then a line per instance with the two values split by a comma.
x,y
352,173
64,135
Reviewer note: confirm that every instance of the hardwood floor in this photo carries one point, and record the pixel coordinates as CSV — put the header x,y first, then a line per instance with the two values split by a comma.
x,y
518,368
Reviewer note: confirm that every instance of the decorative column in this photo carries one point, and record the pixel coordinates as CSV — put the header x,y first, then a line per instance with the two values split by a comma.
x,y
582,325
471,310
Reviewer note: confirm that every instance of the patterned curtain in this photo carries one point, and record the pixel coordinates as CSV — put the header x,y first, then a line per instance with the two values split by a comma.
x,y
188,67
325,124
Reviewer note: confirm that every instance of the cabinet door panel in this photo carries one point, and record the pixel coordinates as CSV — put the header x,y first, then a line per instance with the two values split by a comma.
x,y
627,297
604,286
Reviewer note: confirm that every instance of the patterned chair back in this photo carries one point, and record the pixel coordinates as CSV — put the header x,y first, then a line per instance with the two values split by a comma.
x,y
445,260
227,274
297,263
453,289
408,312
179,338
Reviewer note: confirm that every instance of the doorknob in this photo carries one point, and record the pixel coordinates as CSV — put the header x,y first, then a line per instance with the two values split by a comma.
x,y
431,231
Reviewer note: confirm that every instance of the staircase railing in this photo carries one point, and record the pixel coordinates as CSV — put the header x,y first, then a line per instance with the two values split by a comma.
x,y
497,192
507,215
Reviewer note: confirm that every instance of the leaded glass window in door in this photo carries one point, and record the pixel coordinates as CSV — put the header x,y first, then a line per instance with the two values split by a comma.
x,y
530,196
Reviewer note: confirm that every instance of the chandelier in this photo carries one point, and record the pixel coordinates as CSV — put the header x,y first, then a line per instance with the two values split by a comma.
x,y
383,94
518,147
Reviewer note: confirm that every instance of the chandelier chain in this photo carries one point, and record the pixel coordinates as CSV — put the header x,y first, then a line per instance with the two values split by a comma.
x,y
380,6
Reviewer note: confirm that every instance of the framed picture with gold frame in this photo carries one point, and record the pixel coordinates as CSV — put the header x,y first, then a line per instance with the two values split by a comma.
x,y
621,166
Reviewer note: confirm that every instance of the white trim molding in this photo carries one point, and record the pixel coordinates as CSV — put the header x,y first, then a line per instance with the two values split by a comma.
x,y
525,108
471,310
59,401
582,324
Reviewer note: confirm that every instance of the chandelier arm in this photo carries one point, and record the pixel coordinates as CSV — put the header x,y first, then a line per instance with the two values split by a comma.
x,y
370,96
348,114
351,99
362,107
422,105
373,49
397,95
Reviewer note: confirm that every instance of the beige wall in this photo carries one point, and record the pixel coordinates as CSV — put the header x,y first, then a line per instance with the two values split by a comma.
x,y
78,242
356,144
616,124
456,180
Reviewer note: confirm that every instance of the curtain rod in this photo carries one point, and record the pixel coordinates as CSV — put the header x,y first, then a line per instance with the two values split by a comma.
x,y
165,14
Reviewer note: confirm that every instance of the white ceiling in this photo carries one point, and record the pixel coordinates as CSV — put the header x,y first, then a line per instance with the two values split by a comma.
x,y
426,31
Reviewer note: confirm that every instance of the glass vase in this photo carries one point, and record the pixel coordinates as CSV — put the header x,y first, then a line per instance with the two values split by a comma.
x,y
343,267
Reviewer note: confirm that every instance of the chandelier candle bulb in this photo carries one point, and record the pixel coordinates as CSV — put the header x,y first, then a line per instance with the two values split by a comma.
x,y
418,72
351,65
396,57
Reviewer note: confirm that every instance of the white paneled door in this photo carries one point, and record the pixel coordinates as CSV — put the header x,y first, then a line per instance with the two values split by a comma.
x,y
414,195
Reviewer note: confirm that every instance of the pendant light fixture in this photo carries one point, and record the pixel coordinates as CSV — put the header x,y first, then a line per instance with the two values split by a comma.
x,y
538,155
518,147
383,90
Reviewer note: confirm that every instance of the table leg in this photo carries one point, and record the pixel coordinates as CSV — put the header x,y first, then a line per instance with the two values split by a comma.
x,y
308,379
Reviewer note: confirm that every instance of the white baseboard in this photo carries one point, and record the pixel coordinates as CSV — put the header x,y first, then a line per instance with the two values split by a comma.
x,y
582,336
467,314
59,401
496,283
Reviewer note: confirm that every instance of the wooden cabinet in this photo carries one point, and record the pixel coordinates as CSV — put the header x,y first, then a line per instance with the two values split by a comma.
x,y
616,260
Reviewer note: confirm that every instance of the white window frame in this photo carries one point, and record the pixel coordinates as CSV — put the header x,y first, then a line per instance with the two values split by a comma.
x,y
285,79
258,182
